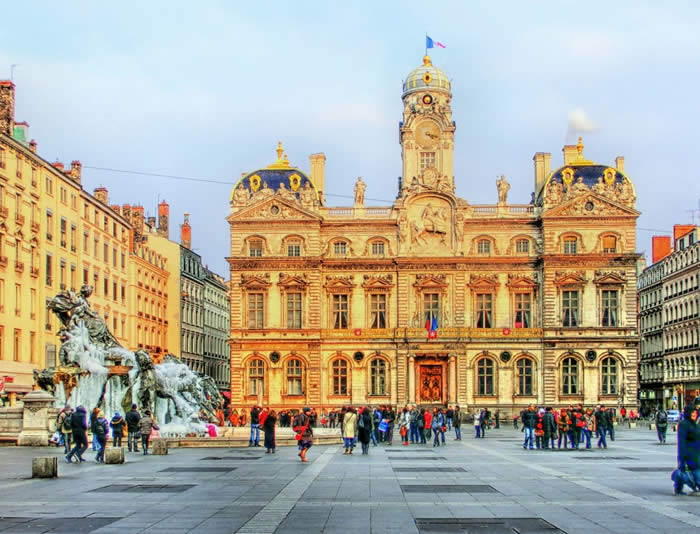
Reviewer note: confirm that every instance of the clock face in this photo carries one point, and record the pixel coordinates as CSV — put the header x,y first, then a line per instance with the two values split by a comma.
x,y
427,133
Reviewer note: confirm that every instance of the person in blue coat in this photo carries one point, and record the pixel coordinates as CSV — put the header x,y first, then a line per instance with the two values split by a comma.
x,y
688,449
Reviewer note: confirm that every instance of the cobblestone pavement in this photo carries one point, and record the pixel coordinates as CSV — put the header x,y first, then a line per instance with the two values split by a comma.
x,y
487,485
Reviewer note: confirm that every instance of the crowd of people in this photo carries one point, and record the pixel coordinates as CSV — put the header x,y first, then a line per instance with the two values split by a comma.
x,y
72,431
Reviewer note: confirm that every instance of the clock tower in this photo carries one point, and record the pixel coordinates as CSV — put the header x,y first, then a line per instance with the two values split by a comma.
x,y
426,133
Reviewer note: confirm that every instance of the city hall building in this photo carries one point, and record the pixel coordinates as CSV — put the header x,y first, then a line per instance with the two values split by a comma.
x,y
432,300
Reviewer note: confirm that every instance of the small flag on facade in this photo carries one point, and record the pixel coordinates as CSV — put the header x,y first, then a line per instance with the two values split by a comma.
x,y
429,43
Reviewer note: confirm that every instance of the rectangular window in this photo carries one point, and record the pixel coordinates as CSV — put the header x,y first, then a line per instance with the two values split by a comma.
x,y
123,260
32,347
340,311
570,245
63,232
34,180
570,308
608,312
294,377
72,277
49,270
256,310
294,310
95,247
49,184
377,310
64,195
18,300
293,248
49,226
609,244
86,274
255,248
522,246
114,290
484,310
427,160
114,257
431,308
62,275
378,248
32,303
17,345
86,238
105,252
105,283
523,310
340,248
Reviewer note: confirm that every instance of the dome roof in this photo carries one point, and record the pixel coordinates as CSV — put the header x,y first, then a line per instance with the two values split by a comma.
x,y
425,77
275,174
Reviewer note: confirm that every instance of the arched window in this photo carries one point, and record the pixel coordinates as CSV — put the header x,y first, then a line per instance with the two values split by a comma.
x,y
570,245
525,369
340,377
609,244
570,376
485,376
377,248
522,246
377,370
295,376
609,376
256,377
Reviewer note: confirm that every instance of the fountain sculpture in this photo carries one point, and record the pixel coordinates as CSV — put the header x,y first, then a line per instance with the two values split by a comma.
x,y
96,371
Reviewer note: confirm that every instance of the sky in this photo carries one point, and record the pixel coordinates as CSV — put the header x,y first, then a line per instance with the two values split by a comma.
x,y
206,90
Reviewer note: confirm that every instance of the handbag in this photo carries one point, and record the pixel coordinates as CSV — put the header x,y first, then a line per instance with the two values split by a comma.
x,y
383,426
55,438
403,431
300,433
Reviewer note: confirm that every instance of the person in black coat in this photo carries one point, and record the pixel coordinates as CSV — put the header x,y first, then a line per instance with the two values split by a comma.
x,y
79,431
269,430
99,434
688,448
364,429
117,423
549,427
132,425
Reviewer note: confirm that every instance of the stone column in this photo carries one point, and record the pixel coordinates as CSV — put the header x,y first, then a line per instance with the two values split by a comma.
x,y
452,391
35,419
411,378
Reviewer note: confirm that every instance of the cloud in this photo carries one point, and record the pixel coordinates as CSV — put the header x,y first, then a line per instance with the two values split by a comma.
x,y
579,122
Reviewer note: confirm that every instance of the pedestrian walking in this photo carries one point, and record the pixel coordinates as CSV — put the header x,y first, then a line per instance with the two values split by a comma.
x,y
349,429
549,428
364,428
413,425
601,422
449,414
529,423
117,425
439,427
427,429
586,429
93,418
64,426
99,435
563,428
688,472
457,422
268,427
132,426
305,433
79,432
661,420
477,424
254,427
146,426
421,426
390,418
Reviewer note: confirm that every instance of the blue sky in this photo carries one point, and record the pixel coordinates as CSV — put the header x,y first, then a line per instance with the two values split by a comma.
x,y
207,90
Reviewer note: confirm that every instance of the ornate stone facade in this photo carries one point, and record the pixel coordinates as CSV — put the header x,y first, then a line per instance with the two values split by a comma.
x,y
433,300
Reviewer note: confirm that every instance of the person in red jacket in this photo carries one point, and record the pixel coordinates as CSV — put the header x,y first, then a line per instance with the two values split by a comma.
x,y
428,424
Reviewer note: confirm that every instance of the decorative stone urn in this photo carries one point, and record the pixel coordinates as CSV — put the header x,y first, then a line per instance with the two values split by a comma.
x,y
35,419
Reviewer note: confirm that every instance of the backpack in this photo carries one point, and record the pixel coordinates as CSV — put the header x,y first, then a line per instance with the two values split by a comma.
x,y
661,417
360,421
67,422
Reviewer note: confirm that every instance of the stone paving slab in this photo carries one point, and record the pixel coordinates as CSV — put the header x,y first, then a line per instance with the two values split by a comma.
x,y
592,491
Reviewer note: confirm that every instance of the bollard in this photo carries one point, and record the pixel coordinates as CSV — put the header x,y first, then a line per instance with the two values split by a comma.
x,y
45,467
114,455
159,446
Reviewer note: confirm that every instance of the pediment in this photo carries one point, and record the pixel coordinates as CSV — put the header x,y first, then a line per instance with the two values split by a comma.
x,y
570,278
518,281
292,281
428,281
255,281
339,282
274,208
483,281
590,205
609,277
378,282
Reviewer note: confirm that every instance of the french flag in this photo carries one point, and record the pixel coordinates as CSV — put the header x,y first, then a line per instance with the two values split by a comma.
x,y
429,43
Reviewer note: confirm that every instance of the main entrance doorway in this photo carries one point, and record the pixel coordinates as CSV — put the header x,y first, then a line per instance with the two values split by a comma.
x,y
431,384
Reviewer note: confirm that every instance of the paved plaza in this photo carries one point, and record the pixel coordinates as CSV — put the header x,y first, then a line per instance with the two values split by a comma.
x,y
483,486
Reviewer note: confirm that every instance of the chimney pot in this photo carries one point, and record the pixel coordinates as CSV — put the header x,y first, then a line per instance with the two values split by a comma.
x,y
620,163
7,107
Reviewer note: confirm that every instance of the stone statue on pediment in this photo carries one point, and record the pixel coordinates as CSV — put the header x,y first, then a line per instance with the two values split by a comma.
x,y
555,193
503,188
359,191
241,195
308,196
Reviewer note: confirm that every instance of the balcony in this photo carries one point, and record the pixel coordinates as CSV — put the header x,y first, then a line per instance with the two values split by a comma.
x,y
20,220
19,267
63,243
49,236
72,248
35,227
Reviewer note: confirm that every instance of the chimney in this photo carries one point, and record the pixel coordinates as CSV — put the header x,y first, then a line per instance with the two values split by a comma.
x,y
620,163
76,171
7,107
58,165
126,212
101,195
570,154
137,222
543,163
660,247
32,145
164,219
115,209
151,223
318,173
186,232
